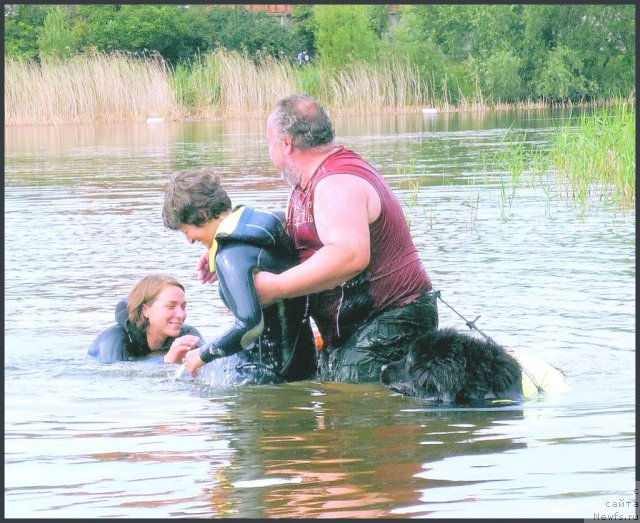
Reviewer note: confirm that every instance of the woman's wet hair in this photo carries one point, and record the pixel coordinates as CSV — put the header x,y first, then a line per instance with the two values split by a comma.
x,y
144,293
304,119
193,197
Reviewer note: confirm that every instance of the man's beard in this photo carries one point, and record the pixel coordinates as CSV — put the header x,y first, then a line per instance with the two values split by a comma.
x,y
291,175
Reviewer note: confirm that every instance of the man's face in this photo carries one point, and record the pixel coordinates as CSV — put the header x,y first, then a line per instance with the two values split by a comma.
x,y
278,152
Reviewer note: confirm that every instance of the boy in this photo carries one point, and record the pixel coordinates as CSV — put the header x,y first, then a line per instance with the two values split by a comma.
x,y
273,345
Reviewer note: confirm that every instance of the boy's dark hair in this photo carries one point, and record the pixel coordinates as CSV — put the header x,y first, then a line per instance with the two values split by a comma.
x,y
193,197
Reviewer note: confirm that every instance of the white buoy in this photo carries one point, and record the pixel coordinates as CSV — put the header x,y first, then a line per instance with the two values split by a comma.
x,y
429,110
155,119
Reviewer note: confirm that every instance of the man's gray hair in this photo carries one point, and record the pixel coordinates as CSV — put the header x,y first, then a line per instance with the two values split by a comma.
x,y
304,119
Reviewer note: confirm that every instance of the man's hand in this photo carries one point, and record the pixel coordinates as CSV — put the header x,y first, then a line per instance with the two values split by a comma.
x,y
202,269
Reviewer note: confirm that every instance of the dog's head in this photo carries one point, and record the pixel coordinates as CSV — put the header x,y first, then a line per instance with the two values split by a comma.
x,y
395,376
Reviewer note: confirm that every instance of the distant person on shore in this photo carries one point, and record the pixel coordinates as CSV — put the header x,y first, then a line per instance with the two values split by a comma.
x,y
369,293
149,322
273,344
303,57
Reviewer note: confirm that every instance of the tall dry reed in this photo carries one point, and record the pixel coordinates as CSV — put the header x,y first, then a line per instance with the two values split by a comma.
x,y
121,87
85,88
364,88
249,89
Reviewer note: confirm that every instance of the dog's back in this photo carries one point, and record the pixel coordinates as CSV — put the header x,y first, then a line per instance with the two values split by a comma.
x,y
448,365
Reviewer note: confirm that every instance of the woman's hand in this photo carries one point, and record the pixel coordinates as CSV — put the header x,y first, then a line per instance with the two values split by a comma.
x,y
180,347
202,269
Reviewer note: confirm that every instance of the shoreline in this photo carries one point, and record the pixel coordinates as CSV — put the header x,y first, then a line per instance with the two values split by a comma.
x,y
205,115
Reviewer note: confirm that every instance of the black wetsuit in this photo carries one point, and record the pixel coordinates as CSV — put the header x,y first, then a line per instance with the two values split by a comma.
x,y
124,341
274,344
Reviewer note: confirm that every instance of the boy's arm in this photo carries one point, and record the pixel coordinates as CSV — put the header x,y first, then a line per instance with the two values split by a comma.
x,y
235,268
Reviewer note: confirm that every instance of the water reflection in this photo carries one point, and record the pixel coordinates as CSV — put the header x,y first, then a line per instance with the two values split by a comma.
x,y
334,450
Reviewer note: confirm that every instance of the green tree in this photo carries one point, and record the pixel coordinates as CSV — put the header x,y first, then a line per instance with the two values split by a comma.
x,y
561,77
597,43
344,34
501,79
56,39
304,26
407,41
255,34
379,14
166,29
180,32
22,24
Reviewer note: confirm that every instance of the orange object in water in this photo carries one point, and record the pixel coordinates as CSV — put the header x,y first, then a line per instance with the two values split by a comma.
x,y
318,338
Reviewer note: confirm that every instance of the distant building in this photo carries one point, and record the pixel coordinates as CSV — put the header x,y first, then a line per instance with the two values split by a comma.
x,y
284,11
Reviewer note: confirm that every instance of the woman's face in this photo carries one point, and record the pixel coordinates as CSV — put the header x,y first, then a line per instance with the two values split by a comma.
x,y
167,313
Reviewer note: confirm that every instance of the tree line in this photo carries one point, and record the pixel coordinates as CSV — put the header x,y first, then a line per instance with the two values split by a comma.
x,y
507,52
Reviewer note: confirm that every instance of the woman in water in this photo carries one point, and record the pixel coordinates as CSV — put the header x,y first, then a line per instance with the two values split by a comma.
x,y
149,322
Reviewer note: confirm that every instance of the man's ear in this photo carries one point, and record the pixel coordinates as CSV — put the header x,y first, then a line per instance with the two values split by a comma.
x,y
204,215
287,140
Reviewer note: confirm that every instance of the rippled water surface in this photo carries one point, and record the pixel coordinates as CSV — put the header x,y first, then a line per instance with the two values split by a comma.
x,y
549,278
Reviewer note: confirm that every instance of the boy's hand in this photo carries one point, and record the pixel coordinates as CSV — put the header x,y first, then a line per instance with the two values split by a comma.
x,y
202,269
193,362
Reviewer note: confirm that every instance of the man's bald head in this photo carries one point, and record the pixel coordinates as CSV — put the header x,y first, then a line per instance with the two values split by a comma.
x,y
304,119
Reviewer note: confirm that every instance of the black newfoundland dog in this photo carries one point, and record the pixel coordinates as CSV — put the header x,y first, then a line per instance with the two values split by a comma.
x,y
449,366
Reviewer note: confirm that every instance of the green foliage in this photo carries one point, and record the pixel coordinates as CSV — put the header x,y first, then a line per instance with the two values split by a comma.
x,y
309,80
344,34
559,52
560,77
595,42
379,15
22,23
501,79
303,29
170,30
176,32
255,34
56,39
599,156
402,46
197,82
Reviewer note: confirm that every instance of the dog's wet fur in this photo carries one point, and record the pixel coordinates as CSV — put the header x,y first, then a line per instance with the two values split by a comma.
x,y
445,365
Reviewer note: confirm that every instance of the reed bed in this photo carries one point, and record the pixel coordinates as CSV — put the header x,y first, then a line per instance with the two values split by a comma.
x,y
197,88
366,88
249,89
598,158
588,160
93,87
228,84
122,87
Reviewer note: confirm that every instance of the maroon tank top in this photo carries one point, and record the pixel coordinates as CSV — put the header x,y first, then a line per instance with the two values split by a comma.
x,y
395,275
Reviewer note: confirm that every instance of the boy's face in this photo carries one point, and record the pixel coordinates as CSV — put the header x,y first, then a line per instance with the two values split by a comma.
x,y
203,234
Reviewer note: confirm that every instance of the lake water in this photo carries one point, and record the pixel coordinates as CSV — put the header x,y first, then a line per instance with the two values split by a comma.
x,y
549,278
